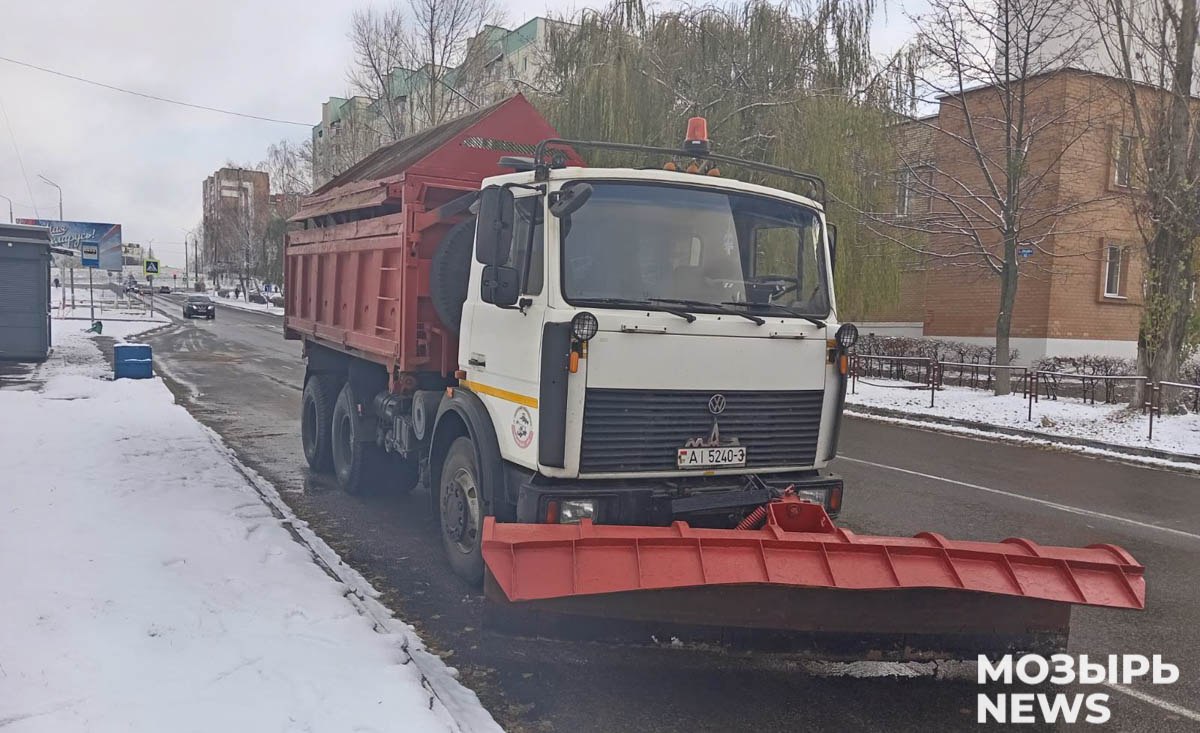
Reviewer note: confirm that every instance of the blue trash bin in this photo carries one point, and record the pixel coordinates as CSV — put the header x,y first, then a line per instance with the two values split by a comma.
x,y
132,361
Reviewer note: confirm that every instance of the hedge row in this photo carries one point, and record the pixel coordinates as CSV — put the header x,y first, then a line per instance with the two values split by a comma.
x,y
929,348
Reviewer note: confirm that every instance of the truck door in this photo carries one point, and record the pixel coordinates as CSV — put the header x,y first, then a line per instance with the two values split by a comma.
x,y
502,347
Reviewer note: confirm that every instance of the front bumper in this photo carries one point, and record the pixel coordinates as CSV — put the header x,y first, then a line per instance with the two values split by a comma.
x,y
704,502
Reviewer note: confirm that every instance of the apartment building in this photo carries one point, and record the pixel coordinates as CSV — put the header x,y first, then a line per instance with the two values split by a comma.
x,y
500,63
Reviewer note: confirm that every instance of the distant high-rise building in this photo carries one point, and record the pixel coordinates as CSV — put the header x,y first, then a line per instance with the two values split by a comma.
x,y
236,202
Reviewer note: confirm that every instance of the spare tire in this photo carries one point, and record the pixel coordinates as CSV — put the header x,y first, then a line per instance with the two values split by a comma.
x,y
449,272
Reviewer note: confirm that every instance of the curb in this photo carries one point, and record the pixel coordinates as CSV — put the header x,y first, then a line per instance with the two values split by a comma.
x,y
867,412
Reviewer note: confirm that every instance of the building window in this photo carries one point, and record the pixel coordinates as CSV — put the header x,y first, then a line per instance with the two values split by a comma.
x,y
904,191
1116,265
1123,161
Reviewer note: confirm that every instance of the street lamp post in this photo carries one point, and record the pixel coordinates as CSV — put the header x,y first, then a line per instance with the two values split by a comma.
x,y
52,183
60,216
10,215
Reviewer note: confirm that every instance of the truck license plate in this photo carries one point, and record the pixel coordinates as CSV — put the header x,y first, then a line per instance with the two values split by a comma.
x,y
708,457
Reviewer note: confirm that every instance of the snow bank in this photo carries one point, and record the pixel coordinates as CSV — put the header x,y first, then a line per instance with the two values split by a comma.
x,y
150,588
243,304
1065,417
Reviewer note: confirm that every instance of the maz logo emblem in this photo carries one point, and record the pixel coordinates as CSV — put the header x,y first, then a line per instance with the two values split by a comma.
x,y
716,404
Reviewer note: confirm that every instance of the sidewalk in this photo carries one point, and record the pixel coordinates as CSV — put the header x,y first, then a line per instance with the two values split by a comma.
x,y
1068,422
155,584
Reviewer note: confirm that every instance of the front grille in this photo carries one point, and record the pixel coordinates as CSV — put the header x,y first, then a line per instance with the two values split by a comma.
x,y
636,430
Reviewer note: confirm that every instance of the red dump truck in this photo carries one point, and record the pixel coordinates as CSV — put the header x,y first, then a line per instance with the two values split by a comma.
x,y
623,388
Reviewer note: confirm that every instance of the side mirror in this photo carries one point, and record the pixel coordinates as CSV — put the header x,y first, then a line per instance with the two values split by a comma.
x,y
494,225
569,198
832,229
500,285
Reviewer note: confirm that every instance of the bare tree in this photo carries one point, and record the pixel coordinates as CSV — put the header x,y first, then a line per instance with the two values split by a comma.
x,y
381,46
290,167
1152,47
1001,130
422,62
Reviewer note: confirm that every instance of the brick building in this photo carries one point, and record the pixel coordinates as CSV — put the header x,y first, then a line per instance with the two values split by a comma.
x,y
1079,288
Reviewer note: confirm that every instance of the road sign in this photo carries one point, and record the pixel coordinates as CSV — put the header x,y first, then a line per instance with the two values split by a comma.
x,y
1025,252
150,267
90,254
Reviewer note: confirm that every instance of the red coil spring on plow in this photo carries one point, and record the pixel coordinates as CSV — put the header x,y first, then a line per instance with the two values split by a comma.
x,y
754,519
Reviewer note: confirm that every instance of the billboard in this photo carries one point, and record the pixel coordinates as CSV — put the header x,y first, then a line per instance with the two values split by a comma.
x,y
73,235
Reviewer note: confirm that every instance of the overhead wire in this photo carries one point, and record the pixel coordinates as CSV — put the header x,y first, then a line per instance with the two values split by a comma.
x,y
20,161
155,97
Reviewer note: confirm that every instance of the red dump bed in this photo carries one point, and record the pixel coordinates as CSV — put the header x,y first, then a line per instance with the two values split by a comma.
x,y
357,263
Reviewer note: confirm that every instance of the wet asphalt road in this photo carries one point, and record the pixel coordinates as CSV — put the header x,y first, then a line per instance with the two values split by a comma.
x,y
237,375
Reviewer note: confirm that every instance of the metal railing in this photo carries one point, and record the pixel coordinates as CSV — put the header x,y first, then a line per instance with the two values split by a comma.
x,y
989,371
927,373
924,371
930,374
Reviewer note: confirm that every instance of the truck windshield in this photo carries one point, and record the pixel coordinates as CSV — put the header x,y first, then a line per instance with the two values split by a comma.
x,y
683,244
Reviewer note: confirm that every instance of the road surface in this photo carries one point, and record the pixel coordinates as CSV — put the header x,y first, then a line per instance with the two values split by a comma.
x,y
238,375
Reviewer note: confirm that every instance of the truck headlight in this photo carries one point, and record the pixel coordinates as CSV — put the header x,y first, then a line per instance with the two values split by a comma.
x,y
847,336
570,511
584,326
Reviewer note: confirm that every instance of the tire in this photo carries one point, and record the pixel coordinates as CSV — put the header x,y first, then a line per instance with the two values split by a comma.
x,y
449,272
461,505
212,318
360,467
316,421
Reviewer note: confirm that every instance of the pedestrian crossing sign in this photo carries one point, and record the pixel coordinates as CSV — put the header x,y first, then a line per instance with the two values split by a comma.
x,y
150,267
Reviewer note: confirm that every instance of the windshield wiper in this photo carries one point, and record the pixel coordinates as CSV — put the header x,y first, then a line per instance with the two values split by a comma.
x,y
713,306
815,321
631,303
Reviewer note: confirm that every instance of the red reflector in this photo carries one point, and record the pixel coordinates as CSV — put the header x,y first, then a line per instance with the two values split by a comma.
x,y
552,512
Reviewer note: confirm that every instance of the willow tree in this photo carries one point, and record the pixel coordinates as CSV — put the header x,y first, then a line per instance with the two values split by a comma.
x,y
791,86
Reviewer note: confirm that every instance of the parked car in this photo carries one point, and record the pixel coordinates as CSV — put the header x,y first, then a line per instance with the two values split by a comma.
x,y
165,289
199,306
257,297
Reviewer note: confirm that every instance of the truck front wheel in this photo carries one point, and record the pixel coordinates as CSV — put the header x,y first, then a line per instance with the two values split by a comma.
x,y
316,420
358,464
460,502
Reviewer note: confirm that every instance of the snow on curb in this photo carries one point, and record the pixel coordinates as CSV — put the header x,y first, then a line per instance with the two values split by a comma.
x,y
1047,442
441,680
157,583
246,305
1066,422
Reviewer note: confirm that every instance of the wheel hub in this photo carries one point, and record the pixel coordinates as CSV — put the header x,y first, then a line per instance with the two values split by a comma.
x,y
460,510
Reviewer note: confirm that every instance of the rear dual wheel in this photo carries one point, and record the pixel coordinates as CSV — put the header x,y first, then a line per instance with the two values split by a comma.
x,y
361,466
316,420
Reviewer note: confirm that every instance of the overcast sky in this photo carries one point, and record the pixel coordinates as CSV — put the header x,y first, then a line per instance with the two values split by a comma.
x,y
138,162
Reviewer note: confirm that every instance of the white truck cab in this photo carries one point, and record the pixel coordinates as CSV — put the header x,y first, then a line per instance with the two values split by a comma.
x,y
643,338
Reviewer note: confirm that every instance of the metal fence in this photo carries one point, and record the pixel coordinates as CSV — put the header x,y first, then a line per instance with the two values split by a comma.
x,y
930,374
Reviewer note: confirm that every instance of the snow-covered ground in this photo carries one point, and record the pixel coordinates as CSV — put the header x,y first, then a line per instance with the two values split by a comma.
x,y
243,304
151,582
1064,417
109,305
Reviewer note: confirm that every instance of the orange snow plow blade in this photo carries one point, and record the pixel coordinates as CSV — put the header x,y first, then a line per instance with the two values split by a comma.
x,y
798,583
